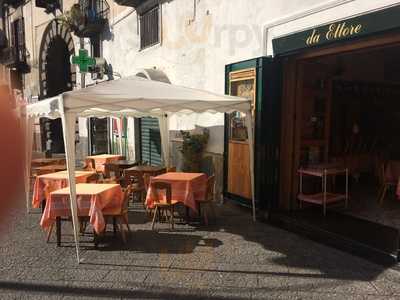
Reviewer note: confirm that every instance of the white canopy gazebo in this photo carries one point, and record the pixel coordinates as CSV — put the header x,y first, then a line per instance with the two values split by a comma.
x,y
130,96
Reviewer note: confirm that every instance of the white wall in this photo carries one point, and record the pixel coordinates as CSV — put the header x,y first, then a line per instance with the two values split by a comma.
x,y
196,45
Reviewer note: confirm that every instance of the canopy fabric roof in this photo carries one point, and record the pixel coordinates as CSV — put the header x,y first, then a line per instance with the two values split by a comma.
x,y
131,96
137,96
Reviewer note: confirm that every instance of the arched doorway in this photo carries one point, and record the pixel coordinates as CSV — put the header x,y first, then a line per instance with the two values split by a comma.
x,y
56,76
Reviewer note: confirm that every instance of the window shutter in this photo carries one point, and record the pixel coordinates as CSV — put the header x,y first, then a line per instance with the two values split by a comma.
x,y
150,139
20,31
149,24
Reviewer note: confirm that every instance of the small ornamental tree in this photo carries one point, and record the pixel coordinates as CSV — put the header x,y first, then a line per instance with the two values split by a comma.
x,y
192,149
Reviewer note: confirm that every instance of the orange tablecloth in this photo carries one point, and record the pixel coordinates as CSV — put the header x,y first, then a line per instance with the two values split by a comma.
x,y
92,199
102,159
185,187
45,184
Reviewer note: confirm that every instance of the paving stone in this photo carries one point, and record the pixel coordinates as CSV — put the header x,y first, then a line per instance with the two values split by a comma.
x,y
236,259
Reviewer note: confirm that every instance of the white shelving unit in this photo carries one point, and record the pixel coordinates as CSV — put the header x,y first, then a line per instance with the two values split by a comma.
x,y
324,198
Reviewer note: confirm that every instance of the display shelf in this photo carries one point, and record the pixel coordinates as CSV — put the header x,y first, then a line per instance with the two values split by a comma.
x,y
323,198
315,112
319,198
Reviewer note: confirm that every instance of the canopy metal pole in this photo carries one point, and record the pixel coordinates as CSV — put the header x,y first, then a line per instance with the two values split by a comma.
x,y
164,132
249,125
68,126
119,129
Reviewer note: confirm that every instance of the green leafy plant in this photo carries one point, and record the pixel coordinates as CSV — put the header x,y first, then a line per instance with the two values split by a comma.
x,y
73,18
192,150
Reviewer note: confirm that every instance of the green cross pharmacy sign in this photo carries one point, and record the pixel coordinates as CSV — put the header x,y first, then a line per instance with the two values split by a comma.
x,y
83,61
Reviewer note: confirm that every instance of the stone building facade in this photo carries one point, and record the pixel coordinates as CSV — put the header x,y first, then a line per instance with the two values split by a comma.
x,y
188,41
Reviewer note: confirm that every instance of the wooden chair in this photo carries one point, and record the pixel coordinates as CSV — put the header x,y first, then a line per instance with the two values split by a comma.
x,y
164,205
387,182
120,218
135,179
171,169
112,170
94,178
146,180
209,199
90,165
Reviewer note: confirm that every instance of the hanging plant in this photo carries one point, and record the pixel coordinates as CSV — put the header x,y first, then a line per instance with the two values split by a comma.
x,y
192,150
73,18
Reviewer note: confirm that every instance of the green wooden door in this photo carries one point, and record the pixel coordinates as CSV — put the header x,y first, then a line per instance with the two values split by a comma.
x,y
267,115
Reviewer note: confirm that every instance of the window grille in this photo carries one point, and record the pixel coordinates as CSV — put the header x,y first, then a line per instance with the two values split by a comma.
x,y
149,23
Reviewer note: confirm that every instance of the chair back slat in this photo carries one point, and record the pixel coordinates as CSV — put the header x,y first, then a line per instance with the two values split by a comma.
x,y
133,177
164,187
210,188
127,193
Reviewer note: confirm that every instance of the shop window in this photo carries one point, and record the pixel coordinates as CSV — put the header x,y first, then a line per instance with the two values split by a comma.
x,y
242,84
149,26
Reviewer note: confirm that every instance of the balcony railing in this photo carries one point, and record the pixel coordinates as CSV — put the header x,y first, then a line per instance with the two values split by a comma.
x,y
13,3
50,6
132,3
95,14
15,58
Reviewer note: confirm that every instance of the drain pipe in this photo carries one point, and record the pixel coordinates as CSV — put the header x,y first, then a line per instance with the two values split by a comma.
x,y
299,15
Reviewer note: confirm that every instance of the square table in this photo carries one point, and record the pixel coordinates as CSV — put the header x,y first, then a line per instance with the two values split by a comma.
x,y
118,166
48,161
146,169
48,169
92,199
187,188
45,184
102,159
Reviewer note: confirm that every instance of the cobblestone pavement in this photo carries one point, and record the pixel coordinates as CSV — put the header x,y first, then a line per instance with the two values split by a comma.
x,y
234,259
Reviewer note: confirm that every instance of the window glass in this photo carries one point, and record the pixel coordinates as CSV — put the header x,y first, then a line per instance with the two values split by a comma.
x,y
149,28
242,84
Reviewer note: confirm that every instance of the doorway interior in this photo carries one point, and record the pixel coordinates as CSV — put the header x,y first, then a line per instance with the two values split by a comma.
x,y
349,115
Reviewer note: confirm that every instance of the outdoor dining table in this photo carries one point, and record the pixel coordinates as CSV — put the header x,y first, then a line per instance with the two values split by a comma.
x,y
187,188
119,165
48,161
92,200
146,169
45,184
102,159
49,169
124,164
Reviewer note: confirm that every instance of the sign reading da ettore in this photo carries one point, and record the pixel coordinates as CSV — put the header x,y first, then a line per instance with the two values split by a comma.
x,y
360,26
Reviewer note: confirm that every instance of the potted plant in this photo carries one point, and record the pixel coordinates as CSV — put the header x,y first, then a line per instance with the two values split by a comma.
x,y
73,18
192,150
